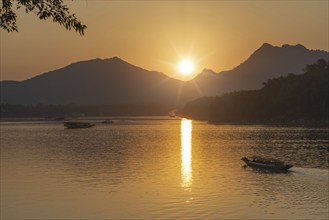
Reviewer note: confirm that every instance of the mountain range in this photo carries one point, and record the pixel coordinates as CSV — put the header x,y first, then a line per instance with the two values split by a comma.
x,y
114,81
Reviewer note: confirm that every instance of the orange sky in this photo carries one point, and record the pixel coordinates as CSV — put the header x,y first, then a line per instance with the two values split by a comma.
x,y
218,35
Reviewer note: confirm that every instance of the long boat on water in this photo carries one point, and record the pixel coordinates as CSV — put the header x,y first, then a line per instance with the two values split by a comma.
x,y
71,124
266,163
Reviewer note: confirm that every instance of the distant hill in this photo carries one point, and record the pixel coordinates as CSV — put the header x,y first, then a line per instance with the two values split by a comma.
x,y
266,62
108,81
114,81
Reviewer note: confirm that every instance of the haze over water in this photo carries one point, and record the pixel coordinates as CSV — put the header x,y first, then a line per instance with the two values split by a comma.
x,y
160,169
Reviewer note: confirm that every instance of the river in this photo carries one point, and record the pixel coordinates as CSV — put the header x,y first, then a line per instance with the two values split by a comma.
x,y
152,169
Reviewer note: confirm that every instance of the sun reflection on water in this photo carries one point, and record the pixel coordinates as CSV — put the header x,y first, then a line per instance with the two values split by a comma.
x,y
186,141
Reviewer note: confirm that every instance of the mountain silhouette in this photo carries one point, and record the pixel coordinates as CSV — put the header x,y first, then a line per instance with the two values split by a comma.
x,y
114,81
265,63
99,81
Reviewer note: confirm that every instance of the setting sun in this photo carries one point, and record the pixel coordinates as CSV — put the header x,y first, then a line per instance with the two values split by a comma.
x,y
186,67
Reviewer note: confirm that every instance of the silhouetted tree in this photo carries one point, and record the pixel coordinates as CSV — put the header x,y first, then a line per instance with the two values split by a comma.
x,y
44,9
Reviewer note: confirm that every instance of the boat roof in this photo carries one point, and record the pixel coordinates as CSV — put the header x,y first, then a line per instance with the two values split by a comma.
x,y
265,159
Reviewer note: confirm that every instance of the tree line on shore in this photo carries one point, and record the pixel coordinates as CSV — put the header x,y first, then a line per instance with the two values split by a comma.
x,y
71,110
287,99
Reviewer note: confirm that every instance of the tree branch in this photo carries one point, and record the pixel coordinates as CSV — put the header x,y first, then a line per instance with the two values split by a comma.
x,y
44,9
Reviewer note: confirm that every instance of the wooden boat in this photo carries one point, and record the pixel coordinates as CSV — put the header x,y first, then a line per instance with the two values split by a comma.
x,y
77,125
266,163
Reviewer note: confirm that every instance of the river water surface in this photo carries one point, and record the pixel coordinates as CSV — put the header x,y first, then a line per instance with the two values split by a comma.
x,y
151,169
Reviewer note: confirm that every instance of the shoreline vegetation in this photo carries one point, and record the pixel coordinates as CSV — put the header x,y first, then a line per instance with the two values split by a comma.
x,y
53,112
291,99
306,124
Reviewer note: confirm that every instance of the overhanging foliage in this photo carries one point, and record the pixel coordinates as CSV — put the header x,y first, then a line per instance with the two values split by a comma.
x,y
44,9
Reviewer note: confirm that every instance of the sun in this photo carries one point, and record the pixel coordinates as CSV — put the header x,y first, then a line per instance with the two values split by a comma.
x,y
186,67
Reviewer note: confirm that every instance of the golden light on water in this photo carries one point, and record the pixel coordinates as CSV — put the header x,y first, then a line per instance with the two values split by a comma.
x,y
186,142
